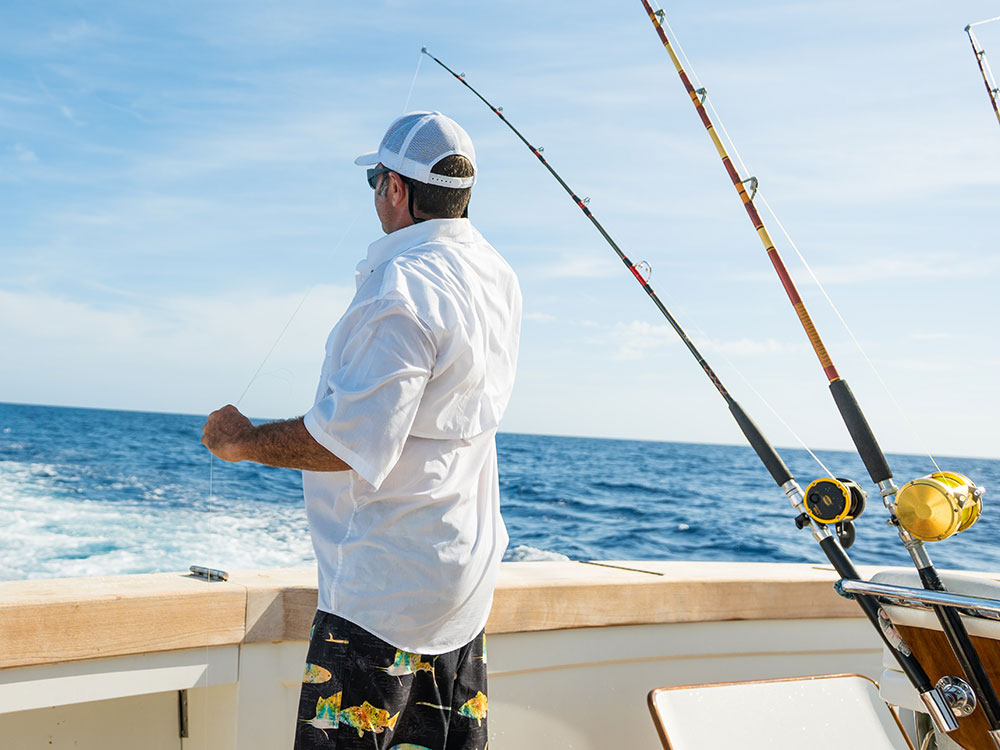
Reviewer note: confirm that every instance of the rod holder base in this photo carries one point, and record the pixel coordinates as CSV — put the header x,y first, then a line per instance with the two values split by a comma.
x,y
958,694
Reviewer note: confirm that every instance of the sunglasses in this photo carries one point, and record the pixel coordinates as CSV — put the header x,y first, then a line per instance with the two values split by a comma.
x,y
374,173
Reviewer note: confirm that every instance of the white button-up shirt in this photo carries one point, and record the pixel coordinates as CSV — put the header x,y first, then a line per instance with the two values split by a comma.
x,y
417,374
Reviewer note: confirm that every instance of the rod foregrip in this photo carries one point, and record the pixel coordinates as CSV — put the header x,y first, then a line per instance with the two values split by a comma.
x,y
861,433
764,450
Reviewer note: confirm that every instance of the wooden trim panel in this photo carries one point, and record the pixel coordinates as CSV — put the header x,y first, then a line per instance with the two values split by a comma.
x,y
53,621
931,647
573,595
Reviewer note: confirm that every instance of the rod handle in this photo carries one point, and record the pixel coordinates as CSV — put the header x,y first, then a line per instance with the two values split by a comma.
x,y
764,450
861,433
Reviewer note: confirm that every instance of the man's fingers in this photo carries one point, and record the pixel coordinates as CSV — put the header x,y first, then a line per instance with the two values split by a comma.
x,y
222,432
214,425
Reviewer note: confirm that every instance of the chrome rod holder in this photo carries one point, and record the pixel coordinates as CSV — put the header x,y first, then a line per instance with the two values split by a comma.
x,y
939,711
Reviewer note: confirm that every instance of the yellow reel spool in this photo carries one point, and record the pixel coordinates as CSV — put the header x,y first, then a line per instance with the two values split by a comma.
x,y
939,505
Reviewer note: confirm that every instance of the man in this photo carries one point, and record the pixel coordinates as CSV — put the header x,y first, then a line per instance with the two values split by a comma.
x,y
399,461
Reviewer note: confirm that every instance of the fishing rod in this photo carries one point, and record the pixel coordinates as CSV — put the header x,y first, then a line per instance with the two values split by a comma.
x,y
819,508
984,66
908,508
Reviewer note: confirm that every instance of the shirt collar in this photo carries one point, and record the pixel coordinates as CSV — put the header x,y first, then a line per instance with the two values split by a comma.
x,y
388,247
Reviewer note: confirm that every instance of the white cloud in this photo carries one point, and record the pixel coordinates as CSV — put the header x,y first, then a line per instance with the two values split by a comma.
x,y
539,317
932,336
878,266
639,340
285,139
171,353
747,346
570,266
928,365
23,154
916,267
70,115
73,32
63,108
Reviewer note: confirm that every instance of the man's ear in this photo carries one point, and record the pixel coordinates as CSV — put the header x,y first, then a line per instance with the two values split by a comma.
x,y
397,190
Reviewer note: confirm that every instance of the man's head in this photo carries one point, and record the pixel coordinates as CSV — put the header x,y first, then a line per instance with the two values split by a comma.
x,y
425,169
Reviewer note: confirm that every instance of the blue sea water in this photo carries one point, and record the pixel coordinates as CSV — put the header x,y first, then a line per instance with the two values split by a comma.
x,y
87,492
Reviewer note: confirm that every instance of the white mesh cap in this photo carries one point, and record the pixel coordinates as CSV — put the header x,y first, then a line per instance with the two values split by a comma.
x,y
417,141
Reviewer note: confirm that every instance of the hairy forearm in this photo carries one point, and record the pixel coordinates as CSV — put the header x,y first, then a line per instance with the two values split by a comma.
x,y
288,444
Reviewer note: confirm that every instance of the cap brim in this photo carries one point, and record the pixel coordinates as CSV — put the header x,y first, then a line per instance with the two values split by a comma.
x,y
367,160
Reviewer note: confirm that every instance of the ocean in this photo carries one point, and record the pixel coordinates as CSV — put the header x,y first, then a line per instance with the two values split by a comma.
x,y
88,492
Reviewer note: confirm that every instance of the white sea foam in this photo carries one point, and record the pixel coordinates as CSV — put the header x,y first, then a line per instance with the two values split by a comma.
x,y
46,534
524,553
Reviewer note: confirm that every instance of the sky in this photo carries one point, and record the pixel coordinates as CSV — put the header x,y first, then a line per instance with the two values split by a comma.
x,y
179,206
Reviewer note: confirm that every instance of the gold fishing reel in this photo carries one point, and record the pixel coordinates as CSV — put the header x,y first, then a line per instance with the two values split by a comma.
x,y
941,504
838,502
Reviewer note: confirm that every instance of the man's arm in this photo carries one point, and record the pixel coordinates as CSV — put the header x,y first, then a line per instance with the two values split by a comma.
x,y
233,437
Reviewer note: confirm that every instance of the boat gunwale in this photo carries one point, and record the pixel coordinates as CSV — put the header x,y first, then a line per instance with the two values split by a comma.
x,y
61,620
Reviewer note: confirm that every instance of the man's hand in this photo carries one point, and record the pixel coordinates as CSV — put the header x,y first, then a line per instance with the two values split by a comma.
x,y
228,434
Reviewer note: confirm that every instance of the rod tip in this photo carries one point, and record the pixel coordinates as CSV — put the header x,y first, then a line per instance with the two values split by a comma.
x,y
424,50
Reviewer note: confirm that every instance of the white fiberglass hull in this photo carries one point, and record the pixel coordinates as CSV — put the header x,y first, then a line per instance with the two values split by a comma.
x,y
573,651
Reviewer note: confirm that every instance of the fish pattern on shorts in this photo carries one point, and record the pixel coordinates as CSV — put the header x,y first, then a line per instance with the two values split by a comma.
x,y
359,692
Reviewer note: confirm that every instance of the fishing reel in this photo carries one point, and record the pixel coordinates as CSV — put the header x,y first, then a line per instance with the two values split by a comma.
x,y
941,504
838,502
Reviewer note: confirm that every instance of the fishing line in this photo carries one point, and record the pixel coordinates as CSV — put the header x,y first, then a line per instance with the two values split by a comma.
x,y
689,67
275,344
642,271
828,542
336,247
718,121
902,413
420,59
870,452
717,118
770,408
211,456
692,323
988,20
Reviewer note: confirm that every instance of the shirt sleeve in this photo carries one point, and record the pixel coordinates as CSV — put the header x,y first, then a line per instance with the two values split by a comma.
x,y
373,395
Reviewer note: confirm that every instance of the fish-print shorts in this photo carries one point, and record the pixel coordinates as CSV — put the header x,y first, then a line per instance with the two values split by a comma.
x,y
360,693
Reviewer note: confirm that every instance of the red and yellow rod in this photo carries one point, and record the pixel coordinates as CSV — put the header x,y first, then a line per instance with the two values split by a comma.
x,y
864,439
984,69
765,237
